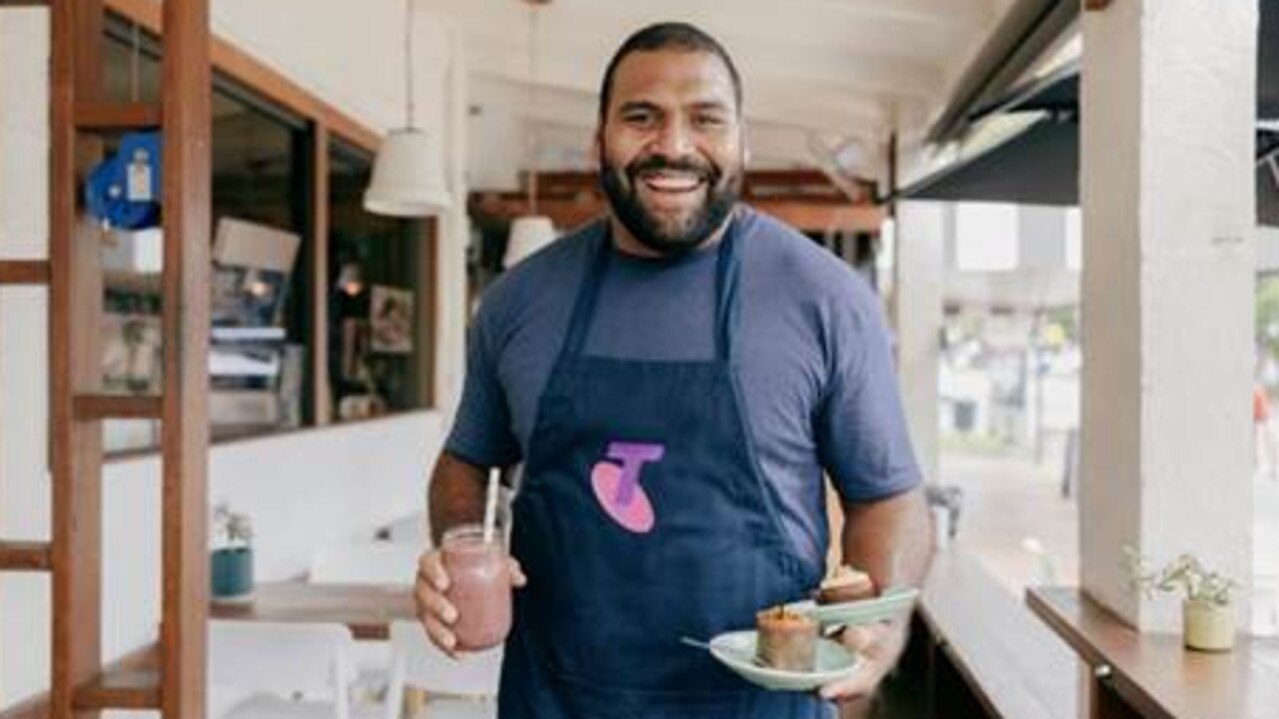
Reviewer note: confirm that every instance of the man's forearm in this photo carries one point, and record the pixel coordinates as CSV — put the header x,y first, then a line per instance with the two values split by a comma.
x,y
889,539
456,495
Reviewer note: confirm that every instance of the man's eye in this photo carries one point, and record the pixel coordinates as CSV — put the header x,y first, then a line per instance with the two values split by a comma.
x,y
638,118
708,121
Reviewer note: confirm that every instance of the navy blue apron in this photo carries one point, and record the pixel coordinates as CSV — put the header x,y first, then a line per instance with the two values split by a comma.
x,y
643,517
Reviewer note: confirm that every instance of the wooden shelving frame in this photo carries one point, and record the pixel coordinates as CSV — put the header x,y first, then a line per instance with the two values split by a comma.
x,y
169,677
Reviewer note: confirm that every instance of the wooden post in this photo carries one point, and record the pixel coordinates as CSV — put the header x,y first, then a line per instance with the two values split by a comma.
x,y
187,118
76,305
320,290
426,319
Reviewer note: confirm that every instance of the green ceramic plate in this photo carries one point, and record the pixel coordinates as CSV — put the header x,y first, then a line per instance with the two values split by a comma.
x,y
736,650
891,603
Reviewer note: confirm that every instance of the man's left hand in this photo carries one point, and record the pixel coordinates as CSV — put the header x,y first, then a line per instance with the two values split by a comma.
x,y
879,646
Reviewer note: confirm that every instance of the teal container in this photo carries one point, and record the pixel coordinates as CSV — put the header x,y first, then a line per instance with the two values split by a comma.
x,y
231,572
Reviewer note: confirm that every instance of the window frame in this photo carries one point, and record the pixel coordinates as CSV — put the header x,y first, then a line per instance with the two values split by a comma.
x,y
323,124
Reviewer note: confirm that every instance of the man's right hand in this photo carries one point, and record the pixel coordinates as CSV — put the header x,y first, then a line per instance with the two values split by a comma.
x,y
434,610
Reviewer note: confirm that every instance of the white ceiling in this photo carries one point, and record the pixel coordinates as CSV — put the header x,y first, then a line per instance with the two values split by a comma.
x,y
822,77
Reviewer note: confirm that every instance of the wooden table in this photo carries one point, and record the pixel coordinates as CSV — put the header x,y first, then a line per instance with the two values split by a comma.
x,y
1151,675
367,610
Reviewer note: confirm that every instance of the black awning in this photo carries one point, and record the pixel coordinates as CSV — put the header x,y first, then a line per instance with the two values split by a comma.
x,y
1268,62
1057,93
1268,178
1039,166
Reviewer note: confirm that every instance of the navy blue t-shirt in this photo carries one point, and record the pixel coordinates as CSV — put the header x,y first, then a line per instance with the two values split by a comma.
x,y
812,352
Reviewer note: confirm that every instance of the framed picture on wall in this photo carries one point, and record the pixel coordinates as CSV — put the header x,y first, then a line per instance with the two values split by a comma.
x,y
391,320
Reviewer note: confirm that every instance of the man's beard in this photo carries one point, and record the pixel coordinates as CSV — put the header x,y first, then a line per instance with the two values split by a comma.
x,y
670,236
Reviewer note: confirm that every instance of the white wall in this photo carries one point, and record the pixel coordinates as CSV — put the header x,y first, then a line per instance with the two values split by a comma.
x,y
303,490
24,489
349,53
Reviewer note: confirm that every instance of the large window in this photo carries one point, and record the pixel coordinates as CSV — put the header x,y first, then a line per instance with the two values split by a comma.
x,y
270,308
379,293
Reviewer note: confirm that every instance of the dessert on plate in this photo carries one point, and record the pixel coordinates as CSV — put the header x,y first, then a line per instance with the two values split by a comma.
x,y
845,585
786,640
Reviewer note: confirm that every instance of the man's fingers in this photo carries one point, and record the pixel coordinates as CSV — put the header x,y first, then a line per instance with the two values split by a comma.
x,y
431,569
859,685
859,637
435,604
518,578
874,643
440,635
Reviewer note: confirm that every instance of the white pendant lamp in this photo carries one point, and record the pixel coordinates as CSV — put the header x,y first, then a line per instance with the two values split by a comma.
x,y
408,175
531,232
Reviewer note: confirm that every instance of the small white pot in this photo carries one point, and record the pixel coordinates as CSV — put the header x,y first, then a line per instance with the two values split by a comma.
x,y
1208,627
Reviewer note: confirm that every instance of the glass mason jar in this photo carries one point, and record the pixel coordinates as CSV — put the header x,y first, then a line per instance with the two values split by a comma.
x,y
479,586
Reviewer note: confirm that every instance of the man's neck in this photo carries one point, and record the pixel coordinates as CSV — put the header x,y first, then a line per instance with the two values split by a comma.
x,y
626,243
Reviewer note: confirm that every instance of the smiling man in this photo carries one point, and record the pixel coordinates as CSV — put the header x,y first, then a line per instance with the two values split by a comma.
x,y
677,379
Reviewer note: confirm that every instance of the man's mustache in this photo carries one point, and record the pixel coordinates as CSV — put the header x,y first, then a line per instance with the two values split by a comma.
x,y
656,163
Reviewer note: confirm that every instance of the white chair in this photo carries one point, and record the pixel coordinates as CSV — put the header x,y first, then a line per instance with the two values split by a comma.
x,y
287,671
367,563
465,688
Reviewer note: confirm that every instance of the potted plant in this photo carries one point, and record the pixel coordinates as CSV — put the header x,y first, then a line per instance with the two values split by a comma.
x,y
231,563
1208,617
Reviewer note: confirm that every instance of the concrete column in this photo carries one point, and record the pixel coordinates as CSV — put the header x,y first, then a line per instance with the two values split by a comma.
x,y
916,311
1169,100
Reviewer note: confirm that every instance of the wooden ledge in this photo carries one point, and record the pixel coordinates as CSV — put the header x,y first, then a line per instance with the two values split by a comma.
x,y
24,272
1152,673
26,556
110,406
96,116
131,683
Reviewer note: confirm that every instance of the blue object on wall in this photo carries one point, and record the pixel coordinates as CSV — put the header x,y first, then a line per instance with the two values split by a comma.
x,y
124,190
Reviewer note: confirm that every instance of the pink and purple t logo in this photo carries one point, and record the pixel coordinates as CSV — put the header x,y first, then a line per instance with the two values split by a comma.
x,y
617,487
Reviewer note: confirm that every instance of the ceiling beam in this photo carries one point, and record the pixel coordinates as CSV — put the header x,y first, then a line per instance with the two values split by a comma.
x,y
799,108
925,12
621,18
493,52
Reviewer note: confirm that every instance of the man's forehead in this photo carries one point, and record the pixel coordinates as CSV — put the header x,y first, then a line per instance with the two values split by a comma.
x,y
684,75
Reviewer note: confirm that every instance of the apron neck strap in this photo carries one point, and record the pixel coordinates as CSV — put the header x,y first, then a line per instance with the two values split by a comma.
x,y
727,272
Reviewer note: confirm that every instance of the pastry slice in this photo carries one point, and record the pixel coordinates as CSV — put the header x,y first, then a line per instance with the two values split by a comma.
x,y
846,585
787,640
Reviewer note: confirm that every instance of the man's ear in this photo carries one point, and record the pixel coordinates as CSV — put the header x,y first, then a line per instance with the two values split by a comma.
x,y
596,149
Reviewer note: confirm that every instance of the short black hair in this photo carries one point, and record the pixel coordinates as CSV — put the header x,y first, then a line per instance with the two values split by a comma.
x,y
662,36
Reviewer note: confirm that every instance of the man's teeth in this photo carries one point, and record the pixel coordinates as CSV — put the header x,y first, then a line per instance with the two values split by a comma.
x,y
672,183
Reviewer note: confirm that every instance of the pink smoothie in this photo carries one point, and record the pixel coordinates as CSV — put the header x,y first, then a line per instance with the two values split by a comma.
x,y
479,587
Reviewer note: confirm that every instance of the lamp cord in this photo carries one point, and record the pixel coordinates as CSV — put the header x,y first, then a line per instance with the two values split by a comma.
x,y
408,60
531,142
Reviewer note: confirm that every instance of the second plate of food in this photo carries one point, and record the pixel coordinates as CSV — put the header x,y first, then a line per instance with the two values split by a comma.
x,y
736,650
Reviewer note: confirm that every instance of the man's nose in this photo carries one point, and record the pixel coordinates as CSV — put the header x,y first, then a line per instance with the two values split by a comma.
x,y
673,139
